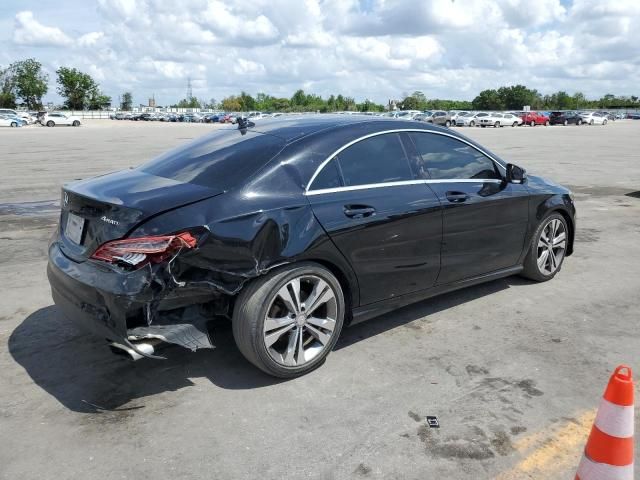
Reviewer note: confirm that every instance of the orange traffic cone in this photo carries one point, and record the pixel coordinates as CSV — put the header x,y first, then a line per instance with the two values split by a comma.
x,y
609,451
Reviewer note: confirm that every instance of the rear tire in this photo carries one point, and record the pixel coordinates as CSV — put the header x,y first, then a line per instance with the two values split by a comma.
x,y
552,234
532,123
76,123
515,124
496,125
261,315
579,122
447,124
565,123
472,123
14,124
546,124
604,122
50,123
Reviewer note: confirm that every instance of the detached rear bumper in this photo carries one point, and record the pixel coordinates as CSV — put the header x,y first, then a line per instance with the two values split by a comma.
x,y
124,307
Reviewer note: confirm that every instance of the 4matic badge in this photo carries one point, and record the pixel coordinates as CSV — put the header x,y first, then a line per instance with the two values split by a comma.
x,y
109,220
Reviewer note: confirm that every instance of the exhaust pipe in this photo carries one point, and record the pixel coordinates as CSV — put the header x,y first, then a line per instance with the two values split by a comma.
x,y
146,347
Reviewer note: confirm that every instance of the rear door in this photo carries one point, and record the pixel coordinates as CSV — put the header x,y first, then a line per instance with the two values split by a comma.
x,y
485,218
380,216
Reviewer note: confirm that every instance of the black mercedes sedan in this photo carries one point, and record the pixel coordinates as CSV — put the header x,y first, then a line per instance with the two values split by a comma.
x,y
293,228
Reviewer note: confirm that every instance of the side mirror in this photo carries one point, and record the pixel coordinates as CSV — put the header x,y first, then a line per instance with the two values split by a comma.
x,y
515,174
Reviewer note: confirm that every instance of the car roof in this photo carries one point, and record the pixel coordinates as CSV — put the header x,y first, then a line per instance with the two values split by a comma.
x,y
295,128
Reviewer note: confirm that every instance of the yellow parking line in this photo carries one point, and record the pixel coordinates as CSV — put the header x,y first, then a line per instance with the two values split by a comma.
x,y
551,451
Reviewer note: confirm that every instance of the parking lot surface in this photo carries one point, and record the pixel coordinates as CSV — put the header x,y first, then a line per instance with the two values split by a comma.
x,y
513,370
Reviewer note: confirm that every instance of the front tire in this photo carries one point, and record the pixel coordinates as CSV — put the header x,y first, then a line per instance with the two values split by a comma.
x,y
472,123
14,124
76,123
532,123
50,123
604,122
447,124
546,123
565,123
287,322
496,125
548,249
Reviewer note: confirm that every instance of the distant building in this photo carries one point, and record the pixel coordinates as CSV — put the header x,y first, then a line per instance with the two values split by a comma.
x,y
152,102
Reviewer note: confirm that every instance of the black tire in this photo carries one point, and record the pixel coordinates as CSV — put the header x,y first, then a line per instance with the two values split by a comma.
x,y
515,124
591,122
447,124
76,123
531,270
579,122
50,123
532,123
472,123
604,122
496,125
565,123
546,124
251,309
482,126
14,124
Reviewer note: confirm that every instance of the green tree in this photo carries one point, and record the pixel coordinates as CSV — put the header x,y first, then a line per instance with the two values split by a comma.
x,y
488,100
30,82
7,87
192,102
517,96
76,87
126,101
231,104
98,101
247,102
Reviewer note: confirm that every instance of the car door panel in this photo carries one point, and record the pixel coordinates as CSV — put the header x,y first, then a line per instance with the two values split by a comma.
x,y
485,231
395,249
485,218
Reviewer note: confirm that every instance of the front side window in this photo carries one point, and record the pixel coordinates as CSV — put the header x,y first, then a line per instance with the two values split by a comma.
x,y
378,159
444,157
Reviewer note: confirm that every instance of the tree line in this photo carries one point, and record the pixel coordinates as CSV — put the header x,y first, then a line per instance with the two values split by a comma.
x,y
25,83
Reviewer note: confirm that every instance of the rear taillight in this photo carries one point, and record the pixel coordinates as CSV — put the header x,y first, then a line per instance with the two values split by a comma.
x,y
136,252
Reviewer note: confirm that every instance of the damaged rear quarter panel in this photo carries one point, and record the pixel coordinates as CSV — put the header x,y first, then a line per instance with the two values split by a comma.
x,y
249,231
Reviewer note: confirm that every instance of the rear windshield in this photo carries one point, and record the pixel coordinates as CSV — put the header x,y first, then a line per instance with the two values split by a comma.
x,y
219,160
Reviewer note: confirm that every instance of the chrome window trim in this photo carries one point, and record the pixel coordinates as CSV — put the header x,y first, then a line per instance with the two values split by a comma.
x,y
307,191
396,184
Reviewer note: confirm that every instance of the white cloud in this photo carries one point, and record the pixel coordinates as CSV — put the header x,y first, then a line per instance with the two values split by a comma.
x,y
375,49
28,31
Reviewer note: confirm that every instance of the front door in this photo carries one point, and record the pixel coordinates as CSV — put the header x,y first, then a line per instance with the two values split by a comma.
x,y
484,218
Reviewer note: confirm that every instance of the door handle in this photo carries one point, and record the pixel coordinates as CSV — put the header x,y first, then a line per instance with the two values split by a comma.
x,y
358,211
457,197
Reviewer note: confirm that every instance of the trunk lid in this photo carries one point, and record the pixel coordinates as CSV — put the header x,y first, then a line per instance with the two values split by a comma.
x,y
105,208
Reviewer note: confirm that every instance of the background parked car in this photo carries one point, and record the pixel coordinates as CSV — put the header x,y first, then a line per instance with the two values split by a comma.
x,y
534,118
58,118
497,119
454,114
565,118
9,121
594,118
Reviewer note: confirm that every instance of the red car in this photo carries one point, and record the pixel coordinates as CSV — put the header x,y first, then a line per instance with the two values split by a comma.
x,y
534,118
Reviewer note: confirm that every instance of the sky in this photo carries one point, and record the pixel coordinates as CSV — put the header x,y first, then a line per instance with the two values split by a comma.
x,y
367,49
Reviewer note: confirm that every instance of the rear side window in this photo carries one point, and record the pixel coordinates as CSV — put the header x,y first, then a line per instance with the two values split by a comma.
x,y
444,157
219,160
329,177
378,159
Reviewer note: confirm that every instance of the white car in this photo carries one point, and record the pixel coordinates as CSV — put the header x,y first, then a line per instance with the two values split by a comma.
x,y
499,120
471,119
14,113
56,118
593,118
455,114
8,121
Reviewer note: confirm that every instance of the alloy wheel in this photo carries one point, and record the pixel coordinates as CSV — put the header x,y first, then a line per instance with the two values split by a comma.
x,y
300,320
551,246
